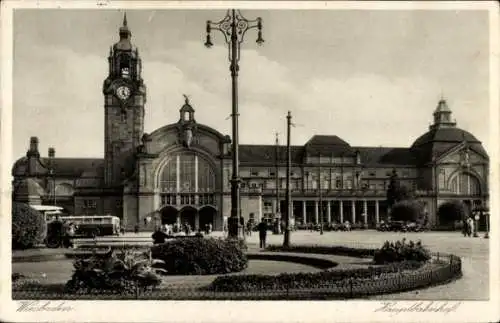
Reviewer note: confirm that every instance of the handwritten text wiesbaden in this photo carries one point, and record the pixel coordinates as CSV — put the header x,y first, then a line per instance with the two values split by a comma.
x,y
43,306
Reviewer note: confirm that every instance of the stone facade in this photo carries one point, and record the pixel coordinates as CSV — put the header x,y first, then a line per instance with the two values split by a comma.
x,y
181,172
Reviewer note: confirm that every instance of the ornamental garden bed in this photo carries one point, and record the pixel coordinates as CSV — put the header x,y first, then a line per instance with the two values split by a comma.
x,y
334,283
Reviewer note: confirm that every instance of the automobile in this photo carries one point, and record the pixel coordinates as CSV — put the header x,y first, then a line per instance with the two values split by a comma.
x,y
414,227
397,226
383,227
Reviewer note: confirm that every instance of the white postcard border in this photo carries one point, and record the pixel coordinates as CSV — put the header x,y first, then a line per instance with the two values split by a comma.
x,y
232,311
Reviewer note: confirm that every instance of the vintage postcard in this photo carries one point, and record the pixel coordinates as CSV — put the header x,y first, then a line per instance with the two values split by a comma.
x,y
249,161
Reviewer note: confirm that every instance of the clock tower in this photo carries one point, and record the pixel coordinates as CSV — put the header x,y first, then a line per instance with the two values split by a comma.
x,y
124,98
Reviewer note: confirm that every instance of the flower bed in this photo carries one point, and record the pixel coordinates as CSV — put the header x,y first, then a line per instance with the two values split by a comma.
x,y
401,251
114,272
334,283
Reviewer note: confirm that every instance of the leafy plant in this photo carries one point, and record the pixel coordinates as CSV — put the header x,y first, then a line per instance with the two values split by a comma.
x,y
28,226
401,251
122,271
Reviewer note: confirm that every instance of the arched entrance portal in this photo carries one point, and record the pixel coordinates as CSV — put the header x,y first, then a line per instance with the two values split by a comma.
x,y
169,215
188,216
207,216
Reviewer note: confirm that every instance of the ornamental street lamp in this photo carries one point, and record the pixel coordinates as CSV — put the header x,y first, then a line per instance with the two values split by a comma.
x,y
234,26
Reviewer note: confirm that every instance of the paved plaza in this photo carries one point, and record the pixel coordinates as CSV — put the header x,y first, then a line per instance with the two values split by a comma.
x,y
474,252
474,285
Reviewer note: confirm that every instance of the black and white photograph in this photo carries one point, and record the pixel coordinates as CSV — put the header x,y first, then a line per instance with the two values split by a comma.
x,y
306,161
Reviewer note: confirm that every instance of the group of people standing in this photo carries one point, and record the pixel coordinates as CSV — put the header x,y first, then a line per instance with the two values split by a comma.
x,y
468,227
170,229
61,233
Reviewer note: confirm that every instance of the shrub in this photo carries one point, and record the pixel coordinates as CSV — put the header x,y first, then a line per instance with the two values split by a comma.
x,y
323,279
117,271
407,210
451,211
401,251
201,256
28,226
329,250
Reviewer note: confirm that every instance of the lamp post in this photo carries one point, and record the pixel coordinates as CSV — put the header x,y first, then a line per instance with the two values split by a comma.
x,y
487,218
286,236
234,26
320,197
278,204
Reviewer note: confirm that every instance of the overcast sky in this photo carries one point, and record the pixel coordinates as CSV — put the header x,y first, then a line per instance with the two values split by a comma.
x,y
371,77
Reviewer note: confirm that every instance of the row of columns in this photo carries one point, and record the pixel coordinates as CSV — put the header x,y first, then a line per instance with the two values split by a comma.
x,y
341,211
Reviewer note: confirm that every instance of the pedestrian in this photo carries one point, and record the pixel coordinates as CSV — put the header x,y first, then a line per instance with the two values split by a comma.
x,y
249,228
210,227
464,227
262,234
68,233
471,227
159,236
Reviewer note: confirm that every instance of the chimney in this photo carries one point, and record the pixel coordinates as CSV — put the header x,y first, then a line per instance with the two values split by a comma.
x,y
52,152
33,151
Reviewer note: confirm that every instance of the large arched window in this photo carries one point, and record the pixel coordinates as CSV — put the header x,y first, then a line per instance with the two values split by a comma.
x,y
187,172
465,184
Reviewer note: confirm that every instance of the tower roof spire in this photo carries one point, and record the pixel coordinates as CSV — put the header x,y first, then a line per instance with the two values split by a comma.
x,y
124,31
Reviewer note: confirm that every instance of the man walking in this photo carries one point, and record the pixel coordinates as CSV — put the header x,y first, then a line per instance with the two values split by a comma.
x,y
262,233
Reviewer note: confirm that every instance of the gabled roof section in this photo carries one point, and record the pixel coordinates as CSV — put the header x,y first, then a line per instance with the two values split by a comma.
x,y
72,167
324,140
328,146
264,154
385,156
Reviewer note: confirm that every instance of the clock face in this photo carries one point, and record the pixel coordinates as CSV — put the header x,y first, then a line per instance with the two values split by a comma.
x,y
123,92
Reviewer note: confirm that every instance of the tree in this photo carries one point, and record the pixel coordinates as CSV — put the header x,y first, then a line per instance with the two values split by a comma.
x,y
407,210
397,192
28,226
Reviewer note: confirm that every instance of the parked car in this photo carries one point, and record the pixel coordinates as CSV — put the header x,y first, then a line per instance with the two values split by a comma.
x,y
397,226
414,227
383,227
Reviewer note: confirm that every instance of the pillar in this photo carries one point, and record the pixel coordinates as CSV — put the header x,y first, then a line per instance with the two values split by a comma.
x,y
365,212
196,173
377,215
341,211
304,220
316,212
328,212
178,182
197,221
178,174
353,208
259,215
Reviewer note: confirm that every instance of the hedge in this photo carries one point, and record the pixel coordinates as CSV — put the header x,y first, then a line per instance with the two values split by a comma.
x,y
329,250
28,226
201,256
323,279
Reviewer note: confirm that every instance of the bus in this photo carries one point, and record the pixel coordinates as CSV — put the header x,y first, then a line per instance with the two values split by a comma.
x,y
49,212
94,225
